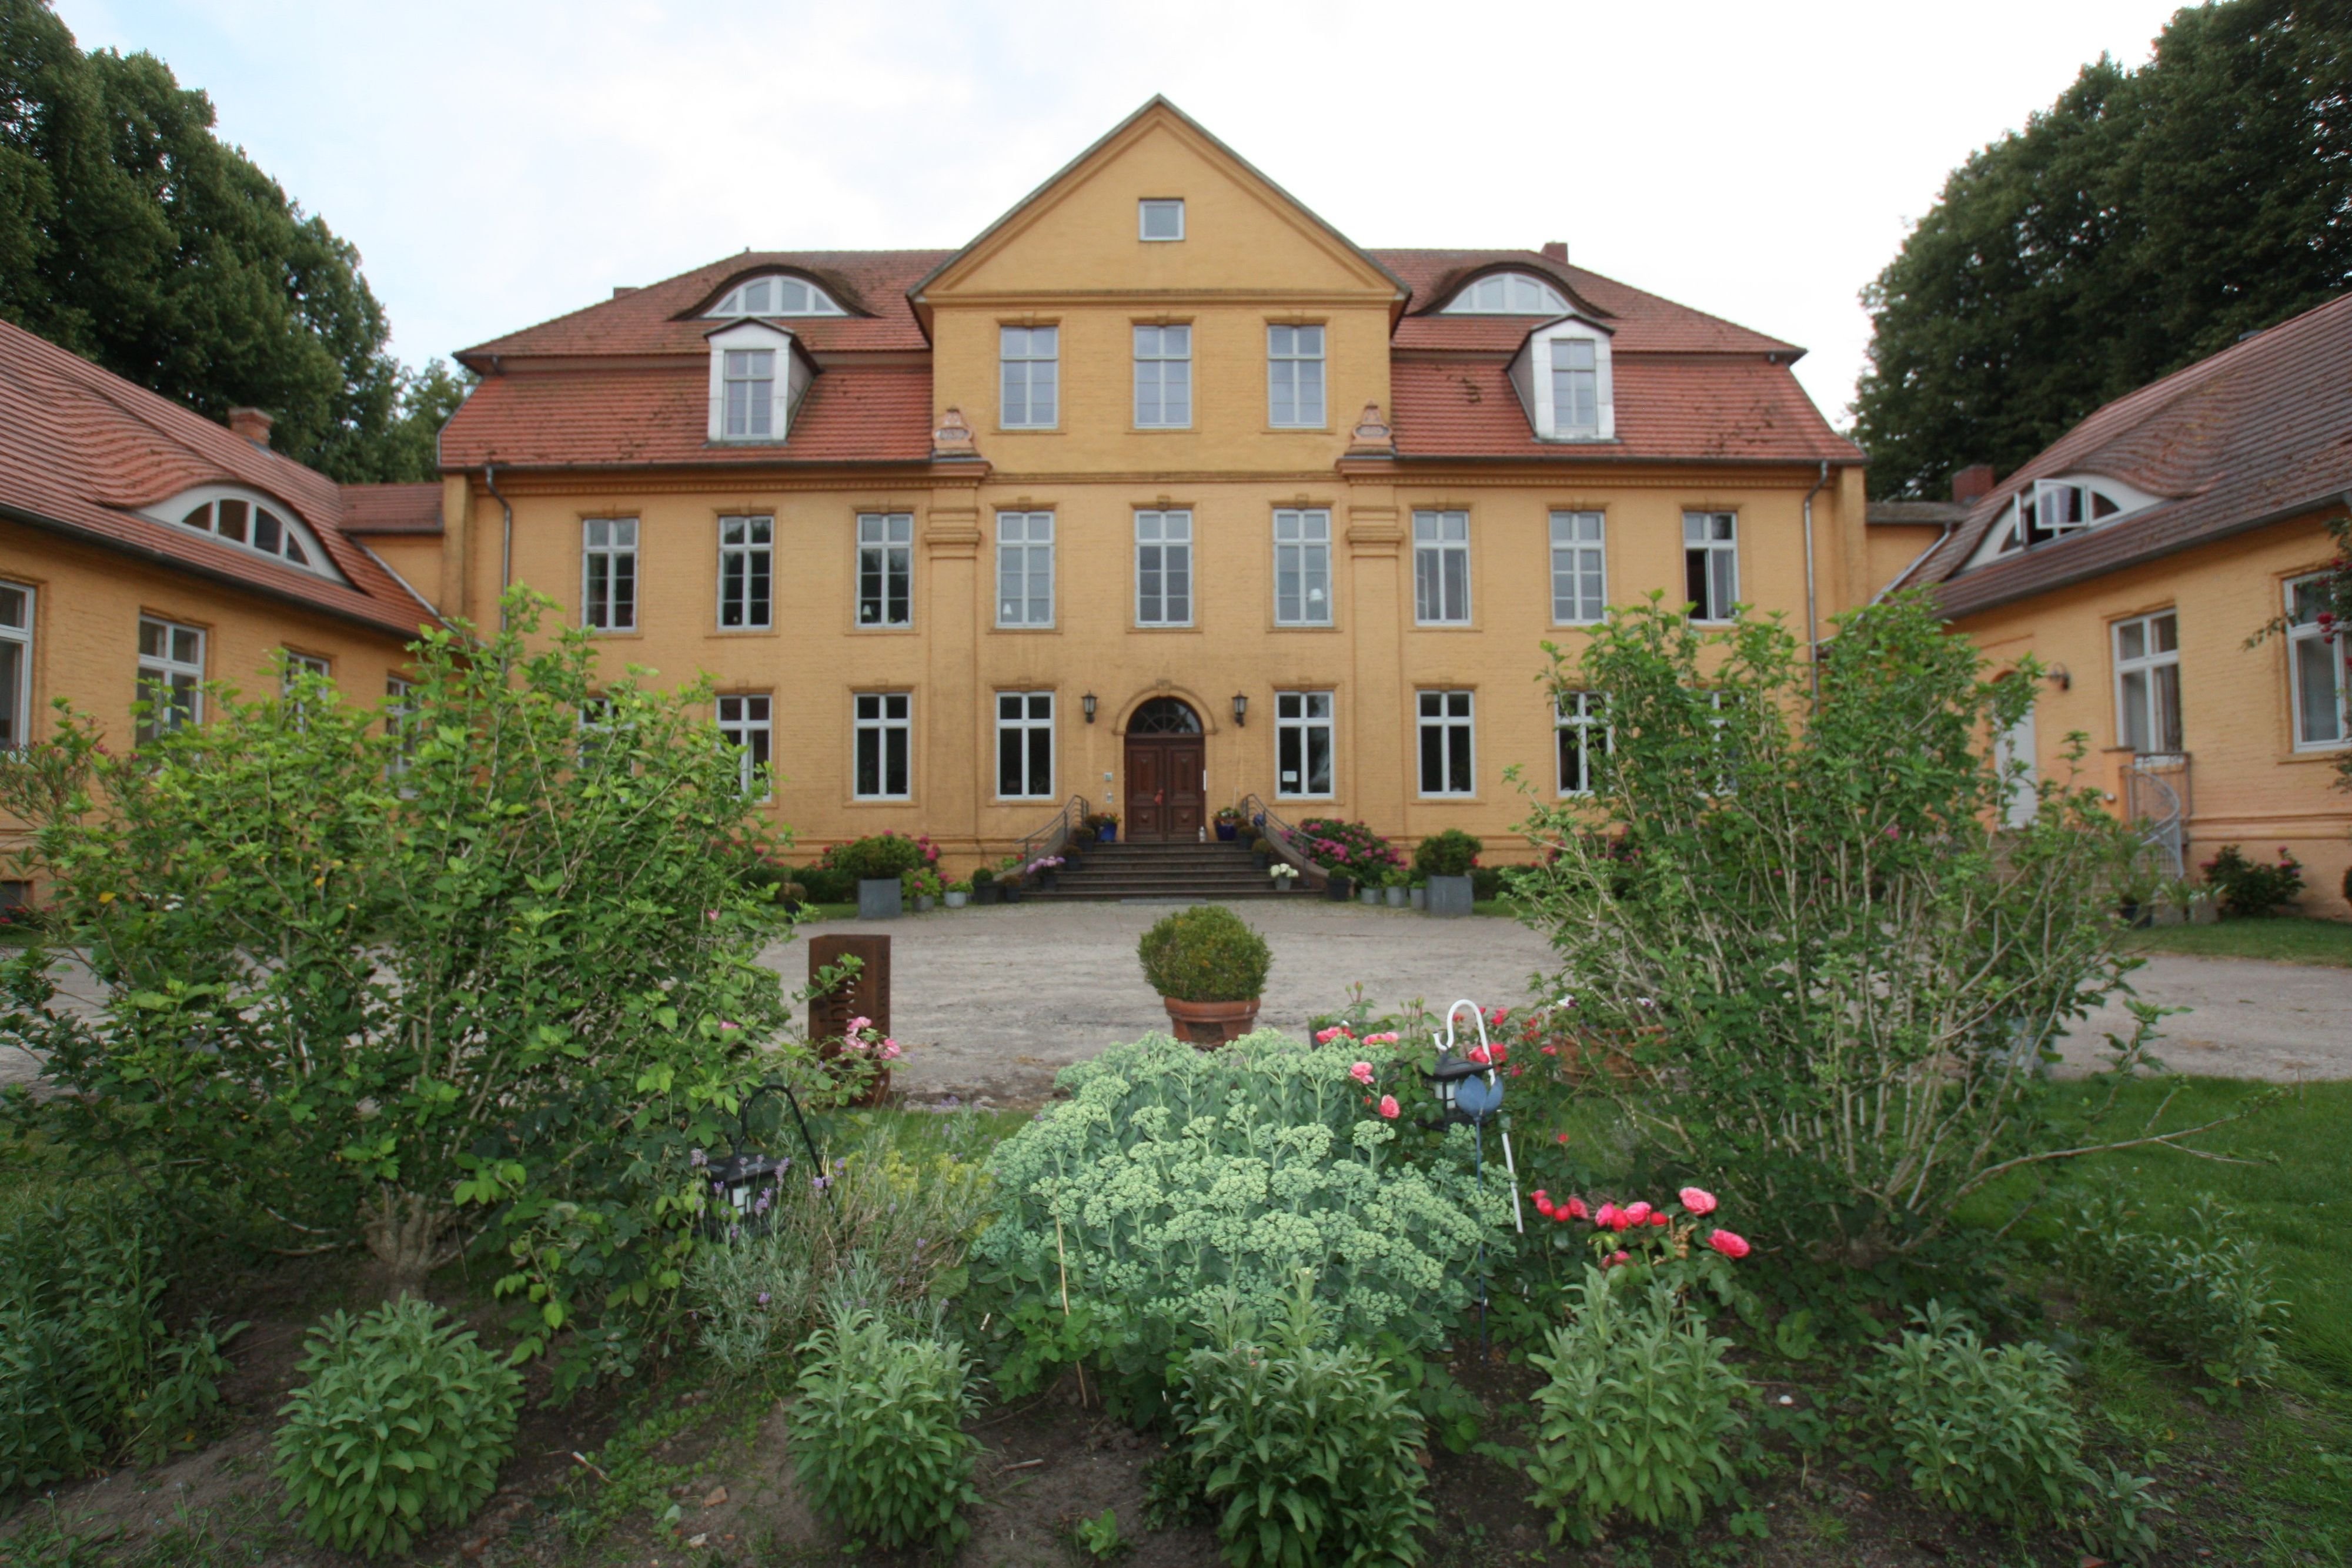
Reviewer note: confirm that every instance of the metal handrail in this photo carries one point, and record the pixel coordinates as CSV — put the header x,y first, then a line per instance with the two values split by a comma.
x,y
1049,839
1282,836
2162,825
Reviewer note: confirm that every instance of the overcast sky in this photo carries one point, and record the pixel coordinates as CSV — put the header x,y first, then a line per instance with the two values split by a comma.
x,y
501,162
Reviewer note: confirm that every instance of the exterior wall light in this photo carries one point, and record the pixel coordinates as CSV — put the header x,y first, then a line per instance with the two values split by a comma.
x,y
1087,703
1241,710
2057,676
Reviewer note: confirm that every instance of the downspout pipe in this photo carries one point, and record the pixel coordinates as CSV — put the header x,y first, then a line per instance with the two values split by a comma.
x,y
506,539
1812,620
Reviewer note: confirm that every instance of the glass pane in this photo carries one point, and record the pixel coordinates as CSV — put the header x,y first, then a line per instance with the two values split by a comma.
x,y
1318,759
894,780
1457,758
2131,640
2318,700
2164,631
12,691
1041,762
1433,759
12,606
2167,690
1727,586
187,647
2135,717
231,515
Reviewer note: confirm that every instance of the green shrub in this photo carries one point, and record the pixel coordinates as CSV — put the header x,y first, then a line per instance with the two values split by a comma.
x,y
1488,882
2205,1296
1638,1414
1450,854
881,856
1205,954
1303,1449
401,1427
877,1431
1349,848
2248,889
983,876
1989,1432
826,884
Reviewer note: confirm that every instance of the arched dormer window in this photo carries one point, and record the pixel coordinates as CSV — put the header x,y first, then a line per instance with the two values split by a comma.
x,y
778,294
2048,510
1506,294
249,520
1564,380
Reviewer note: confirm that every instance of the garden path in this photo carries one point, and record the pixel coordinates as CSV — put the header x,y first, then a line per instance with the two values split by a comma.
x,y
2249,1018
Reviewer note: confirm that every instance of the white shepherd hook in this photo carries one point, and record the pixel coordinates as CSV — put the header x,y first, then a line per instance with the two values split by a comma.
x,y
1487,1053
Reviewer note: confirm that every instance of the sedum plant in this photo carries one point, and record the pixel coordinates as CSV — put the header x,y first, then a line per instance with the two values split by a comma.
x,y
401,1427
2204,1294
877,1431
1639,1412
1205,954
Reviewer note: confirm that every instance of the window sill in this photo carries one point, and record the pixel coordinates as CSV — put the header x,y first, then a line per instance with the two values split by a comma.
x,y
2324,751
728,442
602,635
1302,626
744,631
1028,430
1163,626
1578,440
1296,430
1017,631
863,630
1445,625
1450,800
1161,429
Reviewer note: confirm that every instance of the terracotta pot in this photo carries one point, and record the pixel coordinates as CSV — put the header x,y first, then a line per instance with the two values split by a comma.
x,y
1210,1023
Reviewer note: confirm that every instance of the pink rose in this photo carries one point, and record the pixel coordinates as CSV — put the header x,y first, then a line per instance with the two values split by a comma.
x,y
1389,1106
1697,1200
859,1026
1361,1072
1617,1259
1657,1219
1606,1217
1730,1243
1636,1213
1576,1209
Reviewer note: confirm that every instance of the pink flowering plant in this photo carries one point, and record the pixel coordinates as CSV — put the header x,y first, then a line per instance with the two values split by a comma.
x,y
1678,1241
1351,849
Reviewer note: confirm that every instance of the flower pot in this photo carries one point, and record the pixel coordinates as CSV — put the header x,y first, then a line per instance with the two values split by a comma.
x,y
1396,897
2203,911
1010,893
987,893
1049,879
878,898
1107,833
956,899
1450,896
1284,883
1337,888
1210,1023
924,904
1368,895
1261,861
1419,897
1228,831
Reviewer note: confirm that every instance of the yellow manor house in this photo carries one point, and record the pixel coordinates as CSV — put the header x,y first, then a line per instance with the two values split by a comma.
x,y
1159,494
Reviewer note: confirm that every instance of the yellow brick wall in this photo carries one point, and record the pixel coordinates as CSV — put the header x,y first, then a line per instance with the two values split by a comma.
x,y
1892,547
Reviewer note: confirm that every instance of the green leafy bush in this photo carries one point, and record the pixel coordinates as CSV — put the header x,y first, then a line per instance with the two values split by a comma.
x,y
1205,954
1989,1432
881,856
877,1431
2205,1295
401,1427
1351,849
1638,1414
983,876
826,884
2250,889
1450,854
1303,1449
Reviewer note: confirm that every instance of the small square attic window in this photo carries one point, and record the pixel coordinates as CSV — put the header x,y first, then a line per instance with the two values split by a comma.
x,y
1161,218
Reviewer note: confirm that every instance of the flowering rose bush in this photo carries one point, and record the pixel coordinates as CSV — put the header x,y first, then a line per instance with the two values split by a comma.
x,y
1666,1241
1351,849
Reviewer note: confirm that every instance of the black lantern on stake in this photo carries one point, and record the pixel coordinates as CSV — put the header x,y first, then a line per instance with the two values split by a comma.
x,y
1472,1092
747,1181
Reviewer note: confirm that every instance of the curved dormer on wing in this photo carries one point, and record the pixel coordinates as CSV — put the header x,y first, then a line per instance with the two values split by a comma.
x,y
775,294
2054,509
247,518
1506,294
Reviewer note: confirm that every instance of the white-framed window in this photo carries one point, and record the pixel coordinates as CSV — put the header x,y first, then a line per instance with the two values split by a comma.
x,y
746,572
748,723
1581,724
1579,568
1302,567
16,665
1160,218
776,295
608,573
300,664
751,379
1711,563
249,520
885,739
171,676
2148,683
1029,360
1575,386
1304,746
1024,568
2052,508
1163,569
1025,746
1163,378
1448,746
886,568
400,722
2320,660
1507,294
1440,568
1293,376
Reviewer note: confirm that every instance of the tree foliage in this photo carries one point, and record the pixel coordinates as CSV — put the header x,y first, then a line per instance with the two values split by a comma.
x,y
132,236
2145,220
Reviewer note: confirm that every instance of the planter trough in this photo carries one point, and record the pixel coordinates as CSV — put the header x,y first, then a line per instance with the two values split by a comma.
x,y
878,898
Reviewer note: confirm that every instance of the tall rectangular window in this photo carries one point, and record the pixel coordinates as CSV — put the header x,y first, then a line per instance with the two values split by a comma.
x,y
751,413
1440,568
15,666
171,672
1447,750
1163,377
1711,563
400,722
886,568
2148,683
1024,568
608,593
1302,745
1029,360
1302,567
1579,569
884,737
1581,723
1024,744
1293,376
746,572
2320,659
748,724
1575,387
1163,569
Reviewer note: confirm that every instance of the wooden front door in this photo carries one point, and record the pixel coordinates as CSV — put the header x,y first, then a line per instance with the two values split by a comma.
x,y
1167,792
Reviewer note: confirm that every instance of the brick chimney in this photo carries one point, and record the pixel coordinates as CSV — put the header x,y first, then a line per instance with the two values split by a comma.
x,y
1555,250
1973,483
251,423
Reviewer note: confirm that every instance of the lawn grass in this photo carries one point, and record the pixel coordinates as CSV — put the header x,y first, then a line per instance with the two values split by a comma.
x,y
2288,939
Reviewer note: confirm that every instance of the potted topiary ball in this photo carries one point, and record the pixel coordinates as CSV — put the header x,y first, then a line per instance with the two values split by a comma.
x,y
1447,860
1209,969
984,889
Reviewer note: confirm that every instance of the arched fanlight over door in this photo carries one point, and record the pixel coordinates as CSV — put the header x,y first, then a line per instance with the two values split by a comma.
x,y
1164,716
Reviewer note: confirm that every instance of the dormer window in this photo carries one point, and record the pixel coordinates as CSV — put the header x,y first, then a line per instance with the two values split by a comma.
x,y
1507,294
1563,374
750,376
757,377
248,520
776,295
2049,510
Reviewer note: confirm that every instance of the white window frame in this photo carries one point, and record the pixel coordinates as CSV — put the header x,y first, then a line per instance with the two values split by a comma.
x,y
1292,352
295,663
2148,666
1580,558
1164,358
882,715
1032,716
1567,421
1150,206
1451,715
1164,578
1019,562
2331,651
1507,294
737,301
400,723
613,543
1719,551
748,383
748,722
1583,714
1306,555
747,543
1435,551
885,555
1026,341
162,671
1299,717
200,511
17,638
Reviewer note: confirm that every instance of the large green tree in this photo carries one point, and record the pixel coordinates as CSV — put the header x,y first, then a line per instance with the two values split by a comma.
x,y
2145,220
131,234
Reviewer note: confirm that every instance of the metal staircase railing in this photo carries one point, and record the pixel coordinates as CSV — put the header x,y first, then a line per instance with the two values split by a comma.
x,y
1049,839
2156,800
1282,837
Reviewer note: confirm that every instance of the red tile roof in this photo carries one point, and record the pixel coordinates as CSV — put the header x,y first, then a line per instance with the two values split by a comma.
x,y
1641,323
85,449
2255,434
391,508
1726,410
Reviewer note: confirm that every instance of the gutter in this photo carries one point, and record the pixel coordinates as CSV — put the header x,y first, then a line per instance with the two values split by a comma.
x,y
1813,625
1917,562
506,539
